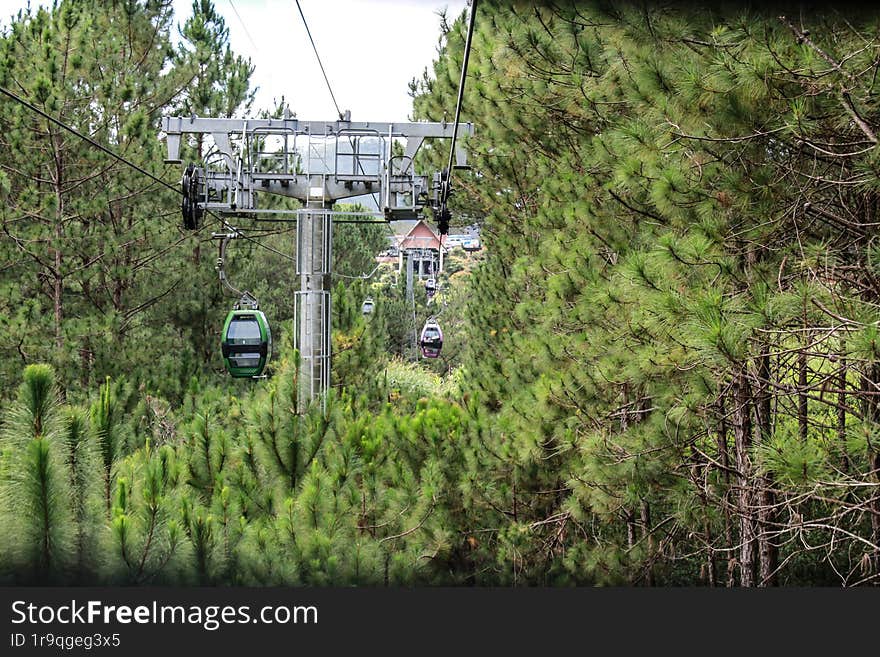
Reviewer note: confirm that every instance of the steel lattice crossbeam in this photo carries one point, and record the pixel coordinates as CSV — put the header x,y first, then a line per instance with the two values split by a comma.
x,y
311,160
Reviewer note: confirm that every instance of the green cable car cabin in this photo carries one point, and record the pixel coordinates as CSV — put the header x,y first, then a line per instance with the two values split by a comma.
x,y
246,343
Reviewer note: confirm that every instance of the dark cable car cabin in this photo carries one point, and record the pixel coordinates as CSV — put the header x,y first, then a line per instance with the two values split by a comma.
x,y
430,287
246,343
431,340
367,307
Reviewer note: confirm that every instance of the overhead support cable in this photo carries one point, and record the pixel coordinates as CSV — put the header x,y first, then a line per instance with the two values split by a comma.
x,y
445,183
318,57
244,27
330,89
87,139
119,158
464,66
129,163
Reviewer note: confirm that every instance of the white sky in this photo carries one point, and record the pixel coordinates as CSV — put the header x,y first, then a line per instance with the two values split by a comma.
x,y
370,49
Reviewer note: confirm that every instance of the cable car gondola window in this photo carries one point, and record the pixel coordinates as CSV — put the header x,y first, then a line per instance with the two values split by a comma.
x,y
244,330
245,360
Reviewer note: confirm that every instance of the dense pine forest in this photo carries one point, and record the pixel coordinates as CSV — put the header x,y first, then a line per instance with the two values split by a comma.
x,y
662,370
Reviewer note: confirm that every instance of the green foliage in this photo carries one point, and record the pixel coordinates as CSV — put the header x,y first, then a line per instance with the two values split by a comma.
x,y
147,533
646,250
793,462
35,486
95,258
104,415
662,369
84,465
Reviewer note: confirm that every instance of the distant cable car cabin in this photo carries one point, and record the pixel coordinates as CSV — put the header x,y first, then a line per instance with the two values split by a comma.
x,y
430,287
246,343
431,340
471,245
367,307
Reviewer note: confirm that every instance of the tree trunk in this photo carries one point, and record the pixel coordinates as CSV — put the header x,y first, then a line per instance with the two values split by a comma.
x,y
58,234
724,460
711,568
648,537
841,407
768,553
58,281
630,529
742,431
624,425
871,411
802,395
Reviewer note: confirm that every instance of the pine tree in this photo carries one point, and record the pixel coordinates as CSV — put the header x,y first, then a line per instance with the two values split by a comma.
x,y
39,533
84,464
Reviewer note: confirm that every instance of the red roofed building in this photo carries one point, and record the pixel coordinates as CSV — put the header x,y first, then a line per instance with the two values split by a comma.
x,y
420,244
420,236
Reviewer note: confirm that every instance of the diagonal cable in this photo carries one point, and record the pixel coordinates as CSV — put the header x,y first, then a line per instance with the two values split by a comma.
x,y
318,57
244,27
86,138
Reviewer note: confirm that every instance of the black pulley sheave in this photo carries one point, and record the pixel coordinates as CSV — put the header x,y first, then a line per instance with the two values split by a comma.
x,y
443,214
189,206
443,220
